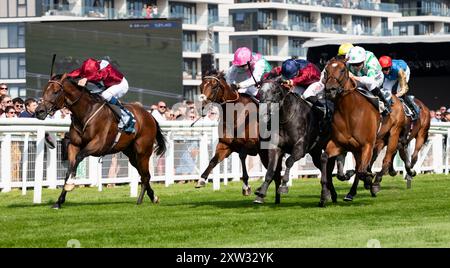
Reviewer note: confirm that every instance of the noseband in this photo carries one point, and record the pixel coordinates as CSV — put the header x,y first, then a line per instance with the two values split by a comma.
x,y
216,90
61,93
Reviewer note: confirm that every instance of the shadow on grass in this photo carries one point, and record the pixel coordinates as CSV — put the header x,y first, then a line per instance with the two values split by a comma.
x,y
49,204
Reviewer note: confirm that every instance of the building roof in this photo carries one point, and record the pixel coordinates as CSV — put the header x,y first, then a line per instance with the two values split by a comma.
x,y
317,42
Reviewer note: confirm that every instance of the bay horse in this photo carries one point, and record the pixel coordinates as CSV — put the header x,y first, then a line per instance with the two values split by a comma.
x,y
354,128
297,133
414,130
215,89
94,129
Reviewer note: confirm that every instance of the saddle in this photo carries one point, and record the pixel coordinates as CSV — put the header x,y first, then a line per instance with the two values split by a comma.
x,y
97,89
253,98
371,98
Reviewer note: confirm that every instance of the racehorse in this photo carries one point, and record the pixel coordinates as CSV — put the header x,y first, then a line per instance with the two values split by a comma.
x,y
94,131
215,89
354,128
418,131
297,135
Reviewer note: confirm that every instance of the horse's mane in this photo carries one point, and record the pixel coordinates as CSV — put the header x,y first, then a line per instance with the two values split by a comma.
x,y
74,81
216,73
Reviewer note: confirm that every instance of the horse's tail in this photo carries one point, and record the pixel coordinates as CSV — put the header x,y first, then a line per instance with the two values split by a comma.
x,y
160,141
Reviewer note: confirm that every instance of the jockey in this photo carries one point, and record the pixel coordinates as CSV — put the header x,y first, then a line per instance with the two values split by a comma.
x,y
396,76
298,74
317,88
101,71
366,70
245,79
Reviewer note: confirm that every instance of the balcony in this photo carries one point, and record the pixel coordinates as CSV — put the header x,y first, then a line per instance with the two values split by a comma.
x,y
90,12
425,12
191,46
220,21
332,28
189,19
362,5
298,51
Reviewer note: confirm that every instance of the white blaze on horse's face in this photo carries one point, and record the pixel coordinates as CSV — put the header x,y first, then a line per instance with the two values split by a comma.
x,y
334,65
202,97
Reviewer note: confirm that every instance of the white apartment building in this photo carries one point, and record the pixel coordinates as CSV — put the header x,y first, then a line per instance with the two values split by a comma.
x,y
275,28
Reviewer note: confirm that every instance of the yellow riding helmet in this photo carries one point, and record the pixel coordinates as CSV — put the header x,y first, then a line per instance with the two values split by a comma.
x,y
344,48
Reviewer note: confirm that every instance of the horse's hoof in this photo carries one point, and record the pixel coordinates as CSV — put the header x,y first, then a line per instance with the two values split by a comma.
x,y
341,178
393,173
258,191
334,199
366,186
408,182
413,173
156,200
56,206
348,198
200,183
247,192
258,200
375,189
283,189
321,204
69,187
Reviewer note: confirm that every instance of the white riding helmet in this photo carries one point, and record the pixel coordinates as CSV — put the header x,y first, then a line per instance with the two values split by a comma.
x,y
356,55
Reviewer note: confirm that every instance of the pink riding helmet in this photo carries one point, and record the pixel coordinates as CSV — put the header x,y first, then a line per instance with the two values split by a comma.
x,y
242,56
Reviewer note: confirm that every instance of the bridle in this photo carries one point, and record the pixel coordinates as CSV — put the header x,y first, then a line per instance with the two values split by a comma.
x,y
216,90
61,92
341,80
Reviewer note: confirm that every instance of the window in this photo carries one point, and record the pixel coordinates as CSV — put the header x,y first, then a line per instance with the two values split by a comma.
x,y
331,23
189,68
190,41
12,35
186,11
361,25
244,20
12,66
267,45
213,13
295,47
191,92
299,21
267,19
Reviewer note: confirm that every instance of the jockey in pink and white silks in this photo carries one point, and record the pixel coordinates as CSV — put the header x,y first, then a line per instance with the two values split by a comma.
x,y
244,78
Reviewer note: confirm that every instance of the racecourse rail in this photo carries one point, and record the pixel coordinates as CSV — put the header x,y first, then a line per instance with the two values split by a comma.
x,y
27,164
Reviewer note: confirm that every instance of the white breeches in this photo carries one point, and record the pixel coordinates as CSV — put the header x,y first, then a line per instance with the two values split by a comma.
x,y
249,90
314,89
116,90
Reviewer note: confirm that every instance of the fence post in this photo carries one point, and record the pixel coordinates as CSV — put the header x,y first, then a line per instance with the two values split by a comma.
x,y
204,154
134,177
25,164
39,166
447,152
216,170
437,153
235,166
52,166
6,163
225,171
169,160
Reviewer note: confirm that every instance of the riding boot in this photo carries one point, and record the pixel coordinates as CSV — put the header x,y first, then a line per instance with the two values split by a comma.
x,y
377,92
129,122
319,111
411,106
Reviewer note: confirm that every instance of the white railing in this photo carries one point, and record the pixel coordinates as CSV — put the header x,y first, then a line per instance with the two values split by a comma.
x,y
25,162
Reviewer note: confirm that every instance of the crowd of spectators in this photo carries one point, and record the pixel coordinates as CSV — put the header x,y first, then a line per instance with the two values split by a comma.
x,y
185,111
440,115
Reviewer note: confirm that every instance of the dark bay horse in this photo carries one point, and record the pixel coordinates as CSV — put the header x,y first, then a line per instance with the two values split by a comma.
x,y
239,127
354,128
94,129
414,130
297,133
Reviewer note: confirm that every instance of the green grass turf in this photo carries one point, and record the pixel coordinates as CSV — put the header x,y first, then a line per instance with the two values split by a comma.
x,y
188,217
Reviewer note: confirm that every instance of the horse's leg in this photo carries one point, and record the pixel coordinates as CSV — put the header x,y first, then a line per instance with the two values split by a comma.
x,y
315,154
392,171
72,153
246,190
143,165
297,153
352,192
387,161
132,158
274,155
222,152
277,179
420,140
327,164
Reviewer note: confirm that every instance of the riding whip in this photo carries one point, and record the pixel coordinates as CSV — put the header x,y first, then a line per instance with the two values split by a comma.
x,y
53,64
